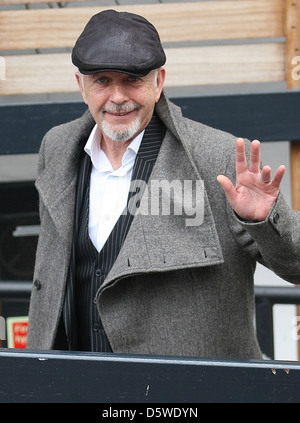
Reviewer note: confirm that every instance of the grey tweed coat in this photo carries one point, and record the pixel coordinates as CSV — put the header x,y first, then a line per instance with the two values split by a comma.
x,y
174,289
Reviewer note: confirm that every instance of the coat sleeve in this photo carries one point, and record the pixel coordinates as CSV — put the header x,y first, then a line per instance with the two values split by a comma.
x,y
278,240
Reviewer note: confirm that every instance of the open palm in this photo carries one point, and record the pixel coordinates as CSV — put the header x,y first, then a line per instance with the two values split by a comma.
x,y
255,192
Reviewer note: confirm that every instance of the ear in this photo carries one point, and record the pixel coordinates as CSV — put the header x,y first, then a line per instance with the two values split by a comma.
x,y
81,86
160,82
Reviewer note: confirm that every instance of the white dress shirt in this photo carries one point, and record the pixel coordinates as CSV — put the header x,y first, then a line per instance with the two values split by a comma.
x,y
108,187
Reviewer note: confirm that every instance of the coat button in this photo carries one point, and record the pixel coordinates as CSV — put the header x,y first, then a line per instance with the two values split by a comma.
x,y
276,218
37,284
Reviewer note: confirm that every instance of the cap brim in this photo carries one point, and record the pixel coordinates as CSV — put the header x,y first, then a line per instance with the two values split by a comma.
x,y
127,72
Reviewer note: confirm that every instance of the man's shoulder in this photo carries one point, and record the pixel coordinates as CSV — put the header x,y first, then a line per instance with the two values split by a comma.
x,y
193,132
206,140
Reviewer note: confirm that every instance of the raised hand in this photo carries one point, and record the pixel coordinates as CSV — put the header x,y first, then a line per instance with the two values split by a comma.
x,y
255,192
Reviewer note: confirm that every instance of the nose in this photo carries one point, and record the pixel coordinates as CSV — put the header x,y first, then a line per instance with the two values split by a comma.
x,y
118,93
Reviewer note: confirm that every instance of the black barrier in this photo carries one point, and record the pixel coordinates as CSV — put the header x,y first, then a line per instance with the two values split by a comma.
x,y
15,289
267,116
33,377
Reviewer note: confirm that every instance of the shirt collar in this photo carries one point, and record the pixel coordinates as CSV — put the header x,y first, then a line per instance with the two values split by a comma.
x,y
99,158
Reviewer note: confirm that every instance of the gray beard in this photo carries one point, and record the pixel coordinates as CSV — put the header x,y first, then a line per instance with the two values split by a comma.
x,y
123,134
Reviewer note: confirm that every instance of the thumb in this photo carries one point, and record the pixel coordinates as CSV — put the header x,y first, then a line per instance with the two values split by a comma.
x,y
228,187
225,183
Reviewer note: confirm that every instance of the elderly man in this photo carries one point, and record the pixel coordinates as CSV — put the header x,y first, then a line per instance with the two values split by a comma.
x,y
118,271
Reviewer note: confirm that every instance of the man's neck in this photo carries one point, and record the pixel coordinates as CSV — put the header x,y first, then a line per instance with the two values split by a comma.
x,y
114,151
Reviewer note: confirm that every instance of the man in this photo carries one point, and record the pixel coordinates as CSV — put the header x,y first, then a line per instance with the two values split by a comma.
x,y
151,224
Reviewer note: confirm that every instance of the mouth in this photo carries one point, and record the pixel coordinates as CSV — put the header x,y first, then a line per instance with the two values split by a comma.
x,y
120,117
122,110
120,113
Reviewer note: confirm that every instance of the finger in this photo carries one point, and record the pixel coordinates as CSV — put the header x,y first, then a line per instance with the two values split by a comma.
x,y
240,157
278,176
228,187
265,174
254,166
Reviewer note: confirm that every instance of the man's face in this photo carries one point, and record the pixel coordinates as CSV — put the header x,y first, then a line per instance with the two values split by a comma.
x,y
122,105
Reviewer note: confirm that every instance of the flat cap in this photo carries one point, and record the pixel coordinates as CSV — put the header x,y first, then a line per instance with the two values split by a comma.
x,y
118,41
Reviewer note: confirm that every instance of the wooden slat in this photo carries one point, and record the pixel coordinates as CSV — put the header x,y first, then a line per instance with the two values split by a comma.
x,y
9,2
292,29
295,187
293,81
232,64
40,73
48,28
2,68
28,74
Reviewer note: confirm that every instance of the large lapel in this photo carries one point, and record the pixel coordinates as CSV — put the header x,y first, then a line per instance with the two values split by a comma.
x,y
157,242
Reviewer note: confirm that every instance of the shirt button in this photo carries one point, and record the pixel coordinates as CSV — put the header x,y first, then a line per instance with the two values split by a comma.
x,y
95,327
98,272
276,218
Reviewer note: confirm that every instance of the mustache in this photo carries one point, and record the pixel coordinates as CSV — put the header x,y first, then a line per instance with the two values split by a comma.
x,y
120,108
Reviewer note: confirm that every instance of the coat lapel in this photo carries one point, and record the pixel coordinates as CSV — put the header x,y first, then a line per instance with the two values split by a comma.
x,y
164,242
57,183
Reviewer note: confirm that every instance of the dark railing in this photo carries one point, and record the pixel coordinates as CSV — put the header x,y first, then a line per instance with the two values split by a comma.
x,y
265,116
177,383
15,289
